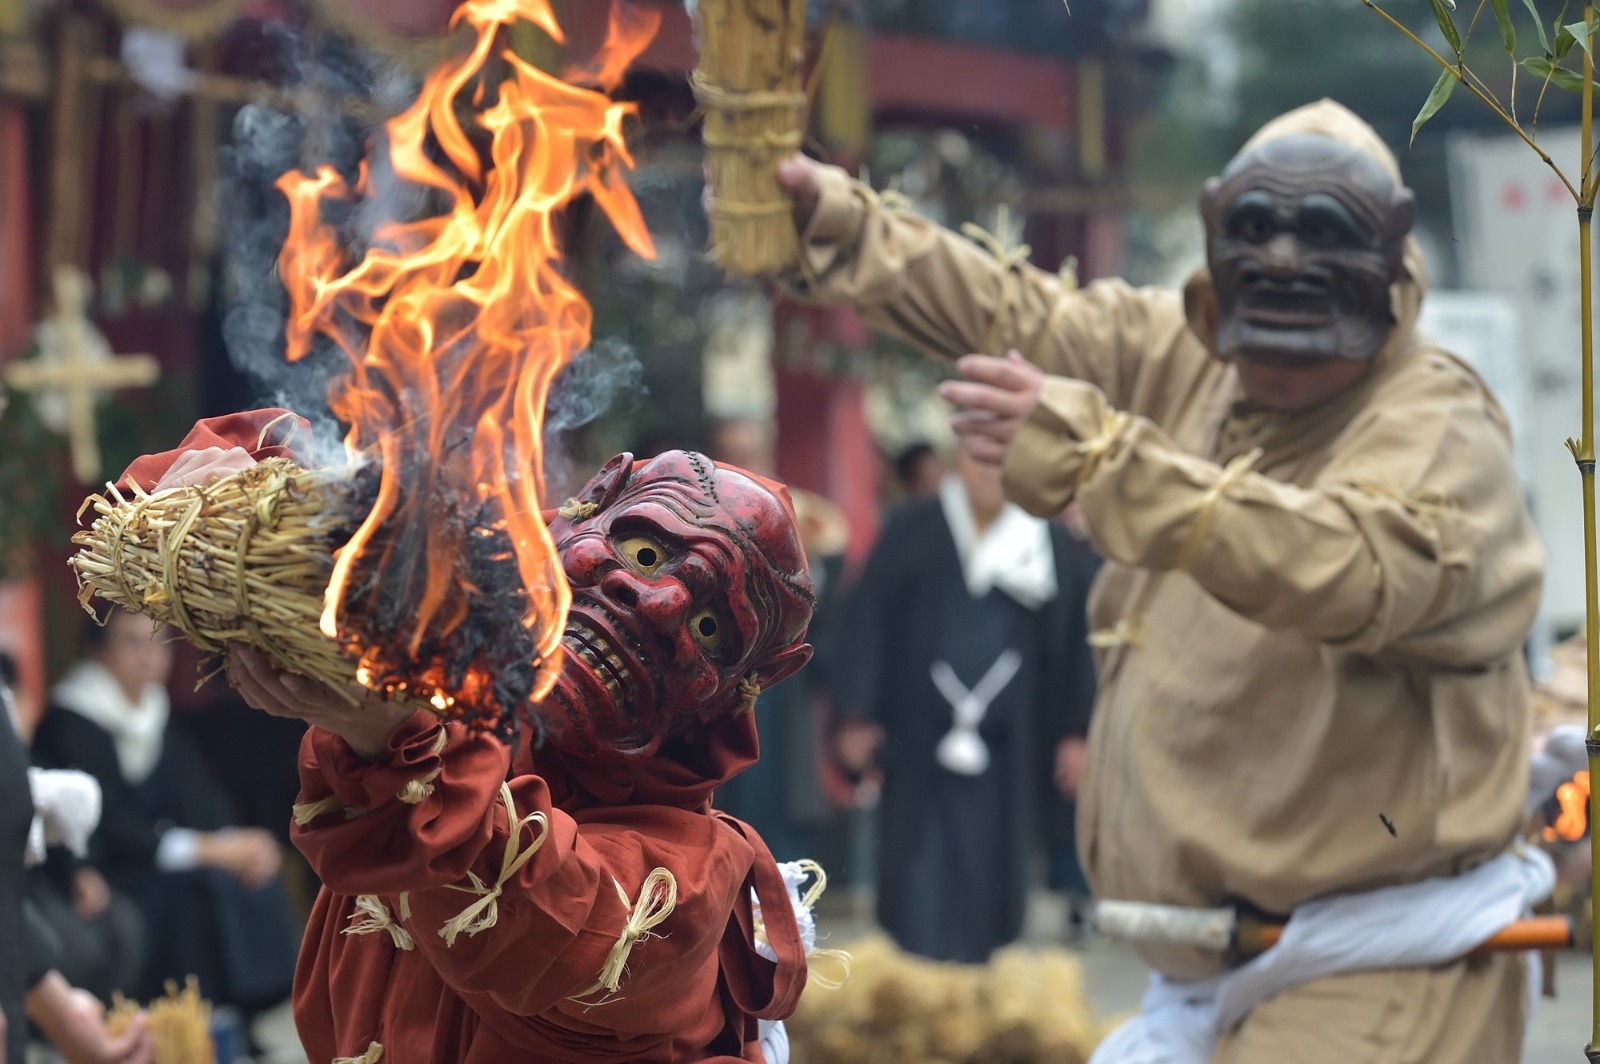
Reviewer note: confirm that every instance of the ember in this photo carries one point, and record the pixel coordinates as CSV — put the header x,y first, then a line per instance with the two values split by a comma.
x,y
455,325
1571,822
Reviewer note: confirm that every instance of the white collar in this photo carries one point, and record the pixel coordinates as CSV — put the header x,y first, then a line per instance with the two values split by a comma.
x,y
136,728
1013,554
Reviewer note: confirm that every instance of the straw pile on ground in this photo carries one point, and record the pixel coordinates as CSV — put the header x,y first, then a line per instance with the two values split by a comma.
x,y
749,86
244,559
180,1024
1023,1007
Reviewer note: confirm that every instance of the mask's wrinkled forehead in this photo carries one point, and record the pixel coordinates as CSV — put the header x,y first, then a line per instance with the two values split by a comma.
x,y
725,503
1311,159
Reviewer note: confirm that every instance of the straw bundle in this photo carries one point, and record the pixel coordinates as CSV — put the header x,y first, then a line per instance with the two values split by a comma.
x,y
180,1024
244,559
749,85
1023,1007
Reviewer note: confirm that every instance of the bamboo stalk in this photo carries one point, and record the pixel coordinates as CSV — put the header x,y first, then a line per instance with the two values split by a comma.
x,y
1586,472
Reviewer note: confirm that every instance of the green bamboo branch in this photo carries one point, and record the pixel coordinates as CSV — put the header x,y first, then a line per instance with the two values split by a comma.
x,y
1487,100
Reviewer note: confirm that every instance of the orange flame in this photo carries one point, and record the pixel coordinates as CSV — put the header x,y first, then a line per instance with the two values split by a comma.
x,y
1573,820
455,324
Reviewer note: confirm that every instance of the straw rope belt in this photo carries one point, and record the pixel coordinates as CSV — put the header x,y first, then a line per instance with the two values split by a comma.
x,y
658,896
1232,473
422,787
373,1054
484,913
377,919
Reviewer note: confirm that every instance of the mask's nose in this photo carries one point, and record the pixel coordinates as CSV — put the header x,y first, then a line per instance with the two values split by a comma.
x,y
662,604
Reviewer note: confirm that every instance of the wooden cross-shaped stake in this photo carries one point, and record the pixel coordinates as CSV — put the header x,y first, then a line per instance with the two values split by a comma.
x,y
78,377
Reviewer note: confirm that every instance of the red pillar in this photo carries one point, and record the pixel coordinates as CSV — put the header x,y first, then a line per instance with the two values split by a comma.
x,y
21,602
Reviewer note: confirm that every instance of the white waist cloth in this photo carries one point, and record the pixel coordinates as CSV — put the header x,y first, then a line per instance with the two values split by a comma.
x,y
1416,925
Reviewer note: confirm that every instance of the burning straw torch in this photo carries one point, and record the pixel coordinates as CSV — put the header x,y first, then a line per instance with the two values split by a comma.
x,y
421,568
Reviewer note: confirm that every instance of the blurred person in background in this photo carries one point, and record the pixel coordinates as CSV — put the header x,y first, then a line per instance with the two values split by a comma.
x,y
31,988
918,471
782,794
959,662
209,892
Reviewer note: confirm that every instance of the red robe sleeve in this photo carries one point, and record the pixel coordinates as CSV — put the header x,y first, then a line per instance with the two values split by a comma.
x,y
431,850
265,433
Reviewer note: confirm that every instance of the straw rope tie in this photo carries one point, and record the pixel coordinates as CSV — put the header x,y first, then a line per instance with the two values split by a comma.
x,y
714,97
373,1054
1009,259
485,912
377,919
422,787
1128,632
1094,449
306,812
658,896
1200,531
749,691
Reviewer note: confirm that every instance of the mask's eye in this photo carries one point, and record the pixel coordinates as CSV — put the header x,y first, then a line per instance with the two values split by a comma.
x,y
706,627
643,554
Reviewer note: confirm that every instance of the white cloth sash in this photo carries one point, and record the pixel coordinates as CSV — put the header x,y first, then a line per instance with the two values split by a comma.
x,y
1416,925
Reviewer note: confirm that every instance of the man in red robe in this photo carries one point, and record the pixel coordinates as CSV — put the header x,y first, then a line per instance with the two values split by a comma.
x,y
576,900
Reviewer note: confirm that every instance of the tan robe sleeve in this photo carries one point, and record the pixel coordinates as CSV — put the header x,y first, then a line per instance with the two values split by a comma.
x,y
949,296
1414,540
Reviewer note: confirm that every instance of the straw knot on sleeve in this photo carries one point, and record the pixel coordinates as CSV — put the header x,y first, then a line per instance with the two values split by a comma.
x,y
484,913
373,1054
372,916
1128,632
1094,449
1232,473
422,787
658,896
306,812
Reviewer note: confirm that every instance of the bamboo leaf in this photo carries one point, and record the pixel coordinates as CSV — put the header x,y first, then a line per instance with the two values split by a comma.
x,y
1447,24
1544,38
1558,76
1508,32
1440,93
1581,34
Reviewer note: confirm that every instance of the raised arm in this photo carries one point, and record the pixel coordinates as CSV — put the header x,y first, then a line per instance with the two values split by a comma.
x,y
950,296
1414,541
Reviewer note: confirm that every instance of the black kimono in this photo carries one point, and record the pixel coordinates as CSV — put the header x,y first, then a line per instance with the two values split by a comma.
x,y
240,943
955,850
16,813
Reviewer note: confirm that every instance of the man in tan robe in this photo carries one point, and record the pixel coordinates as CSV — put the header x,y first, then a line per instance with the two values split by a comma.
x,y
1320,566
